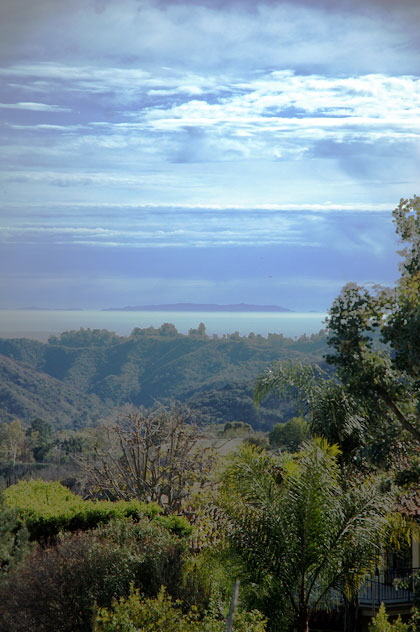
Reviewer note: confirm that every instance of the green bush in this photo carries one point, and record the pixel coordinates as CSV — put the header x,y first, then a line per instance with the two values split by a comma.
x,y
233,429
57,589
13,540
49,508
381,623
289,435
162,613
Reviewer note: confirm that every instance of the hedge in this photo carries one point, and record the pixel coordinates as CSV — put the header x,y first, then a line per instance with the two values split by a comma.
x,y
49,508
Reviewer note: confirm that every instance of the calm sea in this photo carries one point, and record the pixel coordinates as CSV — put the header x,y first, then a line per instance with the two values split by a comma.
x,y
40,324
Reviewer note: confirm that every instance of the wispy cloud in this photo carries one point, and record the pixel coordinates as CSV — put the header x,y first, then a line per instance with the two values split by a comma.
x,y
35,107
180,227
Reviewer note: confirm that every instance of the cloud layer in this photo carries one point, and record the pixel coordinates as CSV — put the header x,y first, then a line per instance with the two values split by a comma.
x,y
139,126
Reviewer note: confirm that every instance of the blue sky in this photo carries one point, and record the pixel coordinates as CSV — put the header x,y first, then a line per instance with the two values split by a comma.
x,y
226,151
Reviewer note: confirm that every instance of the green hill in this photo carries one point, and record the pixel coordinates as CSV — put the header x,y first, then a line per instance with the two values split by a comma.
x,y
81,375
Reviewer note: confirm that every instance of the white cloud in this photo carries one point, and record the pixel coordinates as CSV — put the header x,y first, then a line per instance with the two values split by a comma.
x,y
45,126
120,85
274,116
36,107
306,103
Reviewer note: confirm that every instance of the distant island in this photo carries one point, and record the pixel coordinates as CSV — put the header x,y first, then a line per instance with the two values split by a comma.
x,y
199,307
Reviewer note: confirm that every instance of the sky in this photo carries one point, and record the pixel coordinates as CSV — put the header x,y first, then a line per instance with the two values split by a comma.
x,y
224,151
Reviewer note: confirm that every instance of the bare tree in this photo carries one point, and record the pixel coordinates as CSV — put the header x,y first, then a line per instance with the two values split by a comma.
x,y
162,456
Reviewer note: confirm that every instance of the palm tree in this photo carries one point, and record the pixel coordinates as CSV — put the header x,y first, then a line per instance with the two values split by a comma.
x,y
300,536
331,410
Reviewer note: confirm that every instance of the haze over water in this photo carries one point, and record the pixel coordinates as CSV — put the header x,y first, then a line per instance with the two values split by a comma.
x,y
40,324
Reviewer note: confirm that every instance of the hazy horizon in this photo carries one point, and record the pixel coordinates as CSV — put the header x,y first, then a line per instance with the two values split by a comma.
x,y
40,324
158,307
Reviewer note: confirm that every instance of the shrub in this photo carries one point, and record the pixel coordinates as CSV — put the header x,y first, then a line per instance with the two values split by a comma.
x,y
55,589
13,540
162,613
49,508
381,623
237,429
289,435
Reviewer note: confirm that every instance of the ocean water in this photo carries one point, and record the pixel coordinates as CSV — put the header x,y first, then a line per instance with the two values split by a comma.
x,y
40,324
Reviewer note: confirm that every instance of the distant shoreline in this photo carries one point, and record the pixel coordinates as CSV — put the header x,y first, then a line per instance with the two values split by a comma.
x,y
123,322
199,307
166,307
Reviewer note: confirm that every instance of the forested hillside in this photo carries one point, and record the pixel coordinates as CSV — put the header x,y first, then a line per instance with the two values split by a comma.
x,y
79,376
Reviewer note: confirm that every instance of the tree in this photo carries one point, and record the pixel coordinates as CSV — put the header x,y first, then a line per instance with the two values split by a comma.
x,y
373,398
168,329
401,329
85,338
384,377
200,332
161,457
13,538
332,412
289,435
12,441
40,438
297,531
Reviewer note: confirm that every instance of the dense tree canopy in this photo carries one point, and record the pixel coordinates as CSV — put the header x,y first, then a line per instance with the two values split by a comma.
x,y
375,335
372,399
370,402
